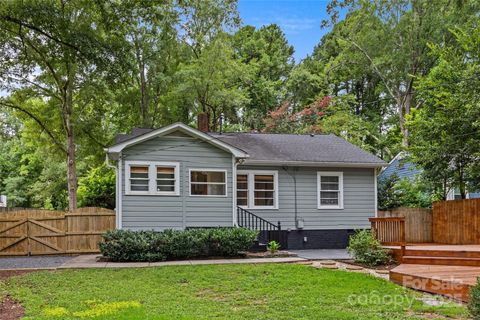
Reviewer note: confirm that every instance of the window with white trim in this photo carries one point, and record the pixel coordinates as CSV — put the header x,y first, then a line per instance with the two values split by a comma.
x,y
257,189
207,182
151,178
330,190
242,190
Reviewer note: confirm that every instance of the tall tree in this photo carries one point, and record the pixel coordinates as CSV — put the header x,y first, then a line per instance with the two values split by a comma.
x,y
391,39
151,55
52,50
446,129
203,30
269,61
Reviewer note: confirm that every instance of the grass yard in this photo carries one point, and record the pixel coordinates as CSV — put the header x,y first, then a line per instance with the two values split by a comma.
x,y
268,291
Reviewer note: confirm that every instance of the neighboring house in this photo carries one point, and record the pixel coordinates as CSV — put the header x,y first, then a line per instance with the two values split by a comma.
x,y
319,187
404,169
3,201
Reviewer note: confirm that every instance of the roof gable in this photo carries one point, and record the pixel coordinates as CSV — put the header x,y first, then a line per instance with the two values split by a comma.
x,y
150,134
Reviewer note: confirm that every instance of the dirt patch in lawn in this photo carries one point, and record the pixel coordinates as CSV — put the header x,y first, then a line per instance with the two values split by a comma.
x,y
4,274
10,309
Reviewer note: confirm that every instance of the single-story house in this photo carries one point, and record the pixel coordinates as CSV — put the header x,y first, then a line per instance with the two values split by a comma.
x,y
319,188
404,169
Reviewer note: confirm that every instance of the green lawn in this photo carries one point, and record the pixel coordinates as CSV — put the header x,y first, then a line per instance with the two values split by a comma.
x,y
279,291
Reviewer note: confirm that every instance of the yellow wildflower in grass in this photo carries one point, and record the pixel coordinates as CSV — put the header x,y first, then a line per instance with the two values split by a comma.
x,y
105,308
55,312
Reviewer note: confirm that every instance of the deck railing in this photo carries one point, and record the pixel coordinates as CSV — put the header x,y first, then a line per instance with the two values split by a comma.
x,y
267,231
390,231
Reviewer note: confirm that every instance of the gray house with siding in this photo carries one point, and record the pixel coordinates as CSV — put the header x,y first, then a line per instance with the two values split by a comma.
x,y
316,188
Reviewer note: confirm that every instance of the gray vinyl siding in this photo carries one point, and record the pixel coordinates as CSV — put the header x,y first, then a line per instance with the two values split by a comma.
x,y
159,212
359,199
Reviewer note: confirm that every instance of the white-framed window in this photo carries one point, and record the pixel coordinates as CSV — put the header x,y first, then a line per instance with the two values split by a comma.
x,y
152,178
330,190
257,189
208,182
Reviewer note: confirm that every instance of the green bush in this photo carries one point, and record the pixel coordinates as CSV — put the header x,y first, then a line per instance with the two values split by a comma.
x,y
367,250
273,246
474,302
126,245
97,189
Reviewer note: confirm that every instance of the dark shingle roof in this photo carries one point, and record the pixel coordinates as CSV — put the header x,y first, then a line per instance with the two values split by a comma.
x,y
302,148
324,148
119,138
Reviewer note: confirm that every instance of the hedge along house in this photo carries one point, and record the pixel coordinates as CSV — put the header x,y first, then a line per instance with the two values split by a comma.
x,y
318,188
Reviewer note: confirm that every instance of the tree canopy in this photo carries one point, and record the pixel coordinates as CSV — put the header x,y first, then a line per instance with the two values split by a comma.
x,y
388,76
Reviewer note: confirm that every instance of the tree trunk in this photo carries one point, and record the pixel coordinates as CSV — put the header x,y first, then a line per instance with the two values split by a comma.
x,y
71,170
71,164
404,106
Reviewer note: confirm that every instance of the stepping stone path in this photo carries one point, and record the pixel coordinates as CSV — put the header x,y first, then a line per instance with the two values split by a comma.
x,y
330,264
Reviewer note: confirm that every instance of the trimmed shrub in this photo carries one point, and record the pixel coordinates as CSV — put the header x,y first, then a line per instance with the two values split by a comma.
x,y
367,250
126,245
474,302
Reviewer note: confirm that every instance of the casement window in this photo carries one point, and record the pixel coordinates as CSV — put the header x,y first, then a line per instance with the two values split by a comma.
x,y
208,182
330,190
151,178
257,189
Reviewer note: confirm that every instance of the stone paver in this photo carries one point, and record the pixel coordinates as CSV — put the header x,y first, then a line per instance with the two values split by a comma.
x,y
328,264
34,262
323,254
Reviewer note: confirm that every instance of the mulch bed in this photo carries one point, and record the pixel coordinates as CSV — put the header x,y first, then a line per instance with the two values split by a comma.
x,y
267,254
10,309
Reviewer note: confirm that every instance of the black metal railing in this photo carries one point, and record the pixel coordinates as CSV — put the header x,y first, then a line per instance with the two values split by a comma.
x,y
267,231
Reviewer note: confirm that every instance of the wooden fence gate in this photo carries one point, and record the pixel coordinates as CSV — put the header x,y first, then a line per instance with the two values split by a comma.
x,y
40,232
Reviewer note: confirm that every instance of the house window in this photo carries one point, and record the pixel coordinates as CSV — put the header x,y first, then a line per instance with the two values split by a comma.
x,y
151,178
264,192
242,190
139,178
330,190
208,182
257,189
165,179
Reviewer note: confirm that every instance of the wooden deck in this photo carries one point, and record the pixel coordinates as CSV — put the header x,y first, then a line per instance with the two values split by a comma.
x,y
448,270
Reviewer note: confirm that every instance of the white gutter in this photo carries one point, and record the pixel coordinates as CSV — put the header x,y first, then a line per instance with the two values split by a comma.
x,y
117,198
314,164
375,173
119,226
234,191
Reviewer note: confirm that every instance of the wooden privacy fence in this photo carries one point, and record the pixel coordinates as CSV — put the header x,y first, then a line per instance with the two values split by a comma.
x,y
40,232
389,231
456,222
418,223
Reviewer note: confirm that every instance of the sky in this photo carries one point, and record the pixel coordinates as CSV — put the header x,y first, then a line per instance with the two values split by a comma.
x,y
299,19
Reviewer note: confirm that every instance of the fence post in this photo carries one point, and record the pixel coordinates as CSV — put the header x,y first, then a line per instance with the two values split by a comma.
x,y
402,238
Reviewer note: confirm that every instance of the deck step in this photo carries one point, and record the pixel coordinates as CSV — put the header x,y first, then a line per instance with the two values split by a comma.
x,y
448,261
451,281
443,253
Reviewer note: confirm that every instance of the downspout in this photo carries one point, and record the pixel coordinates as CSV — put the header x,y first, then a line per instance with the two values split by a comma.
x,y
375,175
109,165
235,163
294,178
